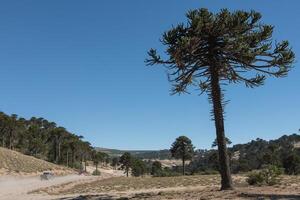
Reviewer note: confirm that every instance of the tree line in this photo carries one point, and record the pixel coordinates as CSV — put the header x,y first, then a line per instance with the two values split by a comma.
x,y
282,153
43,139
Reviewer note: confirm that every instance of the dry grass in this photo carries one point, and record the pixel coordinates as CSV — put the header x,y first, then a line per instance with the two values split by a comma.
x,y
124,184
15,162
204,187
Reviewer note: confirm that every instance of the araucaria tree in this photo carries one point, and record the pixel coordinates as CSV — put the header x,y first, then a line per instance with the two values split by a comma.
x,y
97,158
212,50
126,161
182,149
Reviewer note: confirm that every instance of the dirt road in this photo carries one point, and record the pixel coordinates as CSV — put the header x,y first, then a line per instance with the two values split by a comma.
x,y
15,188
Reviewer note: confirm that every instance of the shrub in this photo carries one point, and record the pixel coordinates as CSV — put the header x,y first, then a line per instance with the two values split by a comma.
x,y
138,167
156,168
78,165
255,178
291,163
267,176
96,173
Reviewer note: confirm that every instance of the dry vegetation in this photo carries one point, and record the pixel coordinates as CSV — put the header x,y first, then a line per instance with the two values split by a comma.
x,y
121,184
15,162
188,187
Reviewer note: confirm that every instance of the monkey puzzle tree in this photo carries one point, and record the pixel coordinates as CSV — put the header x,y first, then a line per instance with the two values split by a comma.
x,y
156,168
126,161
115,162
211,50
97,158
182,149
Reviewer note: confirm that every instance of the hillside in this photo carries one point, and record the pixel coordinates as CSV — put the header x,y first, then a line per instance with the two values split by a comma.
x,y
283,152
292,140
15,162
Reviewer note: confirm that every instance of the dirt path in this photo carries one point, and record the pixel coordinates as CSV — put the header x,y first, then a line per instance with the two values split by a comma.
x,y
15,188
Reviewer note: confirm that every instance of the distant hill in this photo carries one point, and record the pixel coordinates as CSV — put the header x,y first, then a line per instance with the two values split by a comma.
x,y
250,148
15,162
253,155
143,154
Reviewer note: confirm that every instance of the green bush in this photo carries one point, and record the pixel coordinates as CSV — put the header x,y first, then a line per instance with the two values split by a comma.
x,y
267,176
255,178
156,168
78,165
138,167
291,163
96,173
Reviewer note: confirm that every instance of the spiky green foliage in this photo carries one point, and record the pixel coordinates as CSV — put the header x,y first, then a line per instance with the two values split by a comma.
x,y
98,157
234,42
215,142
126,161
139,167
215,49
182,149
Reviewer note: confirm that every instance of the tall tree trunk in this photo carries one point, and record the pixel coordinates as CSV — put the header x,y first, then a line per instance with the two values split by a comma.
x,y
73,157
216,97
127,170
85,164
10,143
55,151
10,135
3,137
67,158
183,166
59,152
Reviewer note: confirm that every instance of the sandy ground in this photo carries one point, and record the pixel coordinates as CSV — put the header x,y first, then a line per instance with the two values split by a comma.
x,y
112,185
106,170
20,187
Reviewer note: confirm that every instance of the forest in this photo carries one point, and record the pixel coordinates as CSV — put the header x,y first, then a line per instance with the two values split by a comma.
x,y
46,140
43,139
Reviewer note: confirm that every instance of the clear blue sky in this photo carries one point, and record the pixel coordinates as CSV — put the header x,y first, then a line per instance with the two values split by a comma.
x,y
81,65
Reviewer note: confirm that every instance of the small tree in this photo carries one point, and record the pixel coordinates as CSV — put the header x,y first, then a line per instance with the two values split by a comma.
x,y
126,161
212,50
182,149
115,162
97,158
138,167
156,168
291,164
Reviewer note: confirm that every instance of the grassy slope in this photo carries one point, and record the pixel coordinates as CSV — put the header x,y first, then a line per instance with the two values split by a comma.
x,y
12,161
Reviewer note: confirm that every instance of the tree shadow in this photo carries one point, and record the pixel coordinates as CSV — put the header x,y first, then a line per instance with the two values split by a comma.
x,y
93,197
271,196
